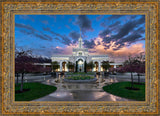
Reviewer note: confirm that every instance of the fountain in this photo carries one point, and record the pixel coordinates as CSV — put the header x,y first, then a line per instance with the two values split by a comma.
x,y
64,83
80,78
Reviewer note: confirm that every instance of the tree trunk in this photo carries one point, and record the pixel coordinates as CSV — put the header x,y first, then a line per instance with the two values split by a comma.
x,y
76,66
131,80
138,78
22,83
85,67
17,79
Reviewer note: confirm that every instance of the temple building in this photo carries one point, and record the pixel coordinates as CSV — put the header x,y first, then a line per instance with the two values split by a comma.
x,y
79,58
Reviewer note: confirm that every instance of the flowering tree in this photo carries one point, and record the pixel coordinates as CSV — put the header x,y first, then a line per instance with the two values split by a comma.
x,y
140,67
23,64
40,69
130,65
121,69
47,69
112,70
17,71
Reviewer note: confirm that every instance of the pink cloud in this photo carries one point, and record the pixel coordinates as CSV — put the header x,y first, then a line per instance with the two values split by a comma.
x,y
67,50
120,54
116,55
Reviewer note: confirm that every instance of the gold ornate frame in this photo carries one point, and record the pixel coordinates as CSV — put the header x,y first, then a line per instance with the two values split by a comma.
x,y
149,106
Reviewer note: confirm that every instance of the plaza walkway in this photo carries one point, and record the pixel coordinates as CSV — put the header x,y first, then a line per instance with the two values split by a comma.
x,y
82,91
81,95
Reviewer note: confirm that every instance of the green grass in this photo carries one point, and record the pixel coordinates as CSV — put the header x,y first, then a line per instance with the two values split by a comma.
x,y
37,90
79,77
119,89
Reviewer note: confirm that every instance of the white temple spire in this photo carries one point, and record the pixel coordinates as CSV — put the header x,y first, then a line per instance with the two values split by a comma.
x,y
80,42
80,32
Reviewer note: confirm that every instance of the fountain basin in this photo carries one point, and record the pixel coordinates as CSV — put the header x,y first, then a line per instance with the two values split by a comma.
x,y
80,81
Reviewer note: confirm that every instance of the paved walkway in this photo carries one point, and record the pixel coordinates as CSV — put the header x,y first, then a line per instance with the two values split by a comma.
x,y
81,91
80,95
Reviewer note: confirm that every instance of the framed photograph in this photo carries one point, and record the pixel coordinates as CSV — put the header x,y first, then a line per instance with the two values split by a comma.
x,y
79,57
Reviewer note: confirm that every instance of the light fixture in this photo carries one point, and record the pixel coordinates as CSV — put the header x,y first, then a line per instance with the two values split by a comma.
x,y
80,62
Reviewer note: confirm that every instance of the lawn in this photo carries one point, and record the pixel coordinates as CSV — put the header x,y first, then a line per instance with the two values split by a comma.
x,y
36,90
119,89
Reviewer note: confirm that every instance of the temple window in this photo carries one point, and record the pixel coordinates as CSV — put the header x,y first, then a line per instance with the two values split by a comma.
x,y
80,53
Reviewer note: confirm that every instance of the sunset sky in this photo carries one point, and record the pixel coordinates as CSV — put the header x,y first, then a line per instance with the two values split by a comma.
x,y
114,35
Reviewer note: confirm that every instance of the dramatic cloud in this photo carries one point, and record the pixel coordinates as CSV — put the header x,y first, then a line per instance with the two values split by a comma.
x,y
114,24
120,53
99,17
44,37
111,19
47,29
114,50
57,51
64,39
89,43
104,33
26,32
32,31
25,27
56,38
141,20
67,50
84,23
74,35
133,16
103,24
116,35
115,17
140,30
129,33
47,51
129,40
125,29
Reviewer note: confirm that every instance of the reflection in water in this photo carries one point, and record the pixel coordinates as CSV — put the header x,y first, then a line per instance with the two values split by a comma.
x,y
79,86
82,96
111,80
113,98
101,81
98,95
60,94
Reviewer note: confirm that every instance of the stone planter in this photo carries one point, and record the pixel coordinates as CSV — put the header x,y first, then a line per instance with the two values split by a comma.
x,y
80,81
